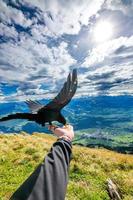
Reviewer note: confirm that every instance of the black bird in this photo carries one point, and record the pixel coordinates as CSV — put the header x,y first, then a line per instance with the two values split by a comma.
x,y
51,111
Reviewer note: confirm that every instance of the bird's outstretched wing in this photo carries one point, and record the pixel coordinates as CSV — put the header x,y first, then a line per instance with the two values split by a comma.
x,y
28,116
66,93
34,105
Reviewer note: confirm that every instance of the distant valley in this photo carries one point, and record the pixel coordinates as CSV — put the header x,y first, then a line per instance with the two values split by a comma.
x,y
98,121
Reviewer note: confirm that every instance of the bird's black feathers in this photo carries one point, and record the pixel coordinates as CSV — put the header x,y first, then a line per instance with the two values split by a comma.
x,y
28,116
34,105
66,93
51,111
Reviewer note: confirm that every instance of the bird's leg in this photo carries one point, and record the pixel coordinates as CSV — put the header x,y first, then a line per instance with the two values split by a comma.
x,y
50,123
61,119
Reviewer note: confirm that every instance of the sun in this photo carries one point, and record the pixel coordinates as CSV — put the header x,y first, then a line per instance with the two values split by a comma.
x,y
103,31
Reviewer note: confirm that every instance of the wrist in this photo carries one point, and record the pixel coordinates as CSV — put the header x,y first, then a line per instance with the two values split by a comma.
x,y
64,140
65,137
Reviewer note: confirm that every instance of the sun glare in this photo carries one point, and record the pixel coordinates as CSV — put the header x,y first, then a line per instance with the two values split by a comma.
x,y
103,31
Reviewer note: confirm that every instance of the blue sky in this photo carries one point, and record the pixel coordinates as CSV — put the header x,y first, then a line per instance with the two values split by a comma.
x,y
41,41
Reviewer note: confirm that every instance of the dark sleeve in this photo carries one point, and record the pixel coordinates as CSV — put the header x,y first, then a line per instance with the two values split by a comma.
x,y
49,180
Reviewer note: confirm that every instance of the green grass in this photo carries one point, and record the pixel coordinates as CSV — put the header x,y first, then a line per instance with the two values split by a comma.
x,y
127,138
89,169
119,142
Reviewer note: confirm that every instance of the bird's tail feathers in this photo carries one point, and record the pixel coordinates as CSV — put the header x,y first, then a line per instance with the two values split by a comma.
x,y
28,116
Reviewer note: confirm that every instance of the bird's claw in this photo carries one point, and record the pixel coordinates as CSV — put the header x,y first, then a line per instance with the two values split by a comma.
x,y
52,126
66,125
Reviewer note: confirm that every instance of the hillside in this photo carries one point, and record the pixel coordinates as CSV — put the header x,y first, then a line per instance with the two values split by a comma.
x,y
89,171
122,143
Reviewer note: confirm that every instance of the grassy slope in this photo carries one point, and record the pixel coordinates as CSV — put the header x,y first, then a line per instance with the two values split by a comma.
x,y
89,171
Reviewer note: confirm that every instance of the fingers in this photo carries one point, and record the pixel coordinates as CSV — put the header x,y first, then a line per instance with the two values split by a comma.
x,y
68,127
52,127
65,132
61,130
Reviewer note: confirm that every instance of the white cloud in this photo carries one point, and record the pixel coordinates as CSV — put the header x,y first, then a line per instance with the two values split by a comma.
x,y
24,62
99,53
1,95
118,76
38,69
28,57
40,33
8,31
125,6
110,68
36,3
67,16
9,14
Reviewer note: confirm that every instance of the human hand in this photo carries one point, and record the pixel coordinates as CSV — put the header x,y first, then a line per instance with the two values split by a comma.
x,y
65,132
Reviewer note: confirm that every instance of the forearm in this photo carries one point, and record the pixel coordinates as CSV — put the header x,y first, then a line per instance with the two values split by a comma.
x,y
56,170
49,180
